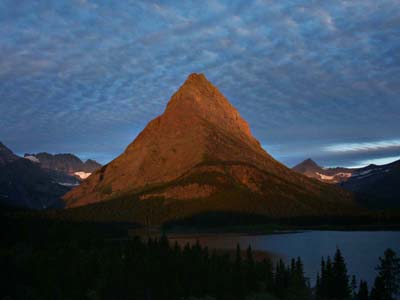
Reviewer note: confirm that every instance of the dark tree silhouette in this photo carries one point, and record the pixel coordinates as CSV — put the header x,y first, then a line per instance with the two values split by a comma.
x,y
353,286
362,291
378,290
64,261
318,291
387,284
341,288
333,281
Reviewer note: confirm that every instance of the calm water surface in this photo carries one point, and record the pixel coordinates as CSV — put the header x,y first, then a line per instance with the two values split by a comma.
x,y
361,249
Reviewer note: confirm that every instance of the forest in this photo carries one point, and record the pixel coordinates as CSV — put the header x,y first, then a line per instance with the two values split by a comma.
x,y
83,261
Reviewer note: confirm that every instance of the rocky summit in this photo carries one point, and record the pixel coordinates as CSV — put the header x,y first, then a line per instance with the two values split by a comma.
x,y
200,156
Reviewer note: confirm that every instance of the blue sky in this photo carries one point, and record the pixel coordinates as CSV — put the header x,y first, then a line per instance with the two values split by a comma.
x,y
316,79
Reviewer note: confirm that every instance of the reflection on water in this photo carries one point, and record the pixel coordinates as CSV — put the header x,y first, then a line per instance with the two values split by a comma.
x,y
360,248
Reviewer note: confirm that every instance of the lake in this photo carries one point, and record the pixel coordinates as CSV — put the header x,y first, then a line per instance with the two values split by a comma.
x,y
361,249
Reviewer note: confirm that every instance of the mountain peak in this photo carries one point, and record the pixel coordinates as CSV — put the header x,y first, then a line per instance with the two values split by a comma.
x,y
198,81
307,165
198,100
199,77
196,87
310,161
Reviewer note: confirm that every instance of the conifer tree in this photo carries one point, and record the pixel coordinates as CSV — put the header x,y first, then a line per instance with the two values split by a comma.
x,y
353,286
389,274
318,288
264,270
378,290
250,270
341,288
362,291
329,283
238,284
281,278
323,280
333,281
297,288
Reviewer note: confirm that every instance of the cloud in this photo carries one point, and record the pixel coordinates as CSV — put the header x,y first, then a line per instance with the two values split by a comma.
x,y
365,146
88,77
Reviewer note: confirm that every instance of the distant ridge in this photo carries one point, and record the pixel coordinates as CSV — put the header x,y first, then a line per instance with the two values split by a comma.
x,y
23,184
375,185
200,156
67,164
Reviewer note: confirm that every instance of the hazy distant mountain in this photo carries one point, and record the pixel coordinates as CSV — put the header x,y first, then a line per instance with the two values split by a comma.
x,y
199,156
376,185
6,155
329,175
23,184
309,168
67,164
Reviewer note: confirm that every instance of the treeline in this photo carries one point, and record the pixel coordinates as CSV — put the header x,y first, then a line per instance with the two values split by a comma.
x,y
333,281
95,268
58,260
133,269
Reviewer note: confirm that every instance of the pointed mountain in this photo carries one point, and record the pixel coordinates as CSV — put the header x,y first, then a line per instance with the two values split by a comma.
x,y
201,150
307,166
311,169
90,166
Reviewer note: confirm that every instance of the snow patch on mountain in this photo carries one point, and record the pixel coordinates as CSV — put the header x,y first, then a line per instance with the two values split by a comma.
x,y
325,177
32,159
82,175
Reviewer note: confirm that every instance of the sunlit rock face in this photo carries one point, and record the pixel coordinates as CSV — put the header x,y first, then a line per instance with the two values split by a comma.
x,y
201,147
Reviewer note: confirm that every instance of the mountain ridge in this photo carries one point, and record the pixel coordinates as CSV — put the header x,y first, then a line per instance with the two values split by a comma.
x,y
65,163
23,184
374,184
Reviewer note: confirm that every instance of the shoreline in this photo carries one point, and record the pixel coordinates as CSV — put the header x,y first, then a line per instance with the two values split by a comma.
x,y
267,230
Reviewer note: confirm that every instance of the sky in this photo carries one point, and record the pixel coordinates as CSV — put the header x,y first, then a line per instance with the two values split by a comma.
x,y
317,79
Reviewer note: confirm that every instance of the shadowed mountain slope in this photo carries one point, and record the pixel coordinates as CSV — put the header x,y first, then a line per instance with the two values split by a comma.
x,y
376,186
23,184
